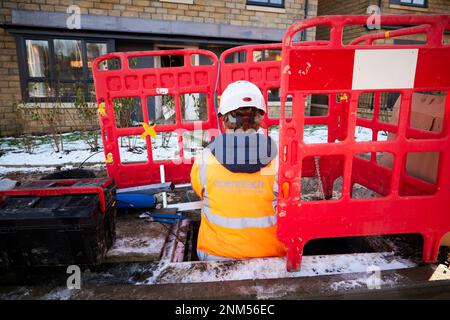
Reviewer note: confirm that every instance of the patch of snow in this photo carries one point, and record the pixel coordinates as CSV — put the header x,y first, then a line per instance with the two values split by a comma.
x,y
315,134
75,151
137,246
160,268
272,268
274,292
167,150
363,134
164,147
319,134
6,184
59,294
348,284
5,170
17,294
15,159
363,282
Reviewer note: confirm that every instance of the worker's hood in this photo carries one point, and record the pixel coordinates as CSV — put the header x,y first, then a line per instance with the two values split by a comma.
x,y
243,152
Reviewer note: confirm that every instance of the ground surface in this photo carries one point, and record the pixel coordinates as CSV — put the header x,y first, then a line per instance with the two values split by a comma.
x,y
133,269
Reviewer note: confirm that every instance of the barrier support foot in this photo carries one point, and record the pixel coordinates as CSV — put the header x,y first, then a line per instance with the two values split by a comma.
x,y
294,257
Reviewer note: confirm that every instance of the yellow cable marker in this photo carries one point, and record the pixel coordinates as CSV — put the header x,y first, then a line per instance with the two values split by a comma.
x,y
343,97
101,109
387,35
148,130
109,158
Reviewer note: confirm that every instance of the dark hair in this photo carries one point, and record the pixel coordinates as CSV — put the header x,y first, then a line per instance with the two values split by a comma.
x,y
243,118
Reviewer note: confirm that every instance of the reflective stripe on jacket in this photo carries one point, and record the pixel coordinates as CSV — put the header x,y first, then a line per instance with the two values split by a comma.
x,y
238,218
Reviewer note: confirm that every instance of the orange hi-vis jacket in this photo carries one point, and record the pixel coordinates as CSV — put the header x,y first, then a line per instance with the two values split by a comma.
x,y
238,215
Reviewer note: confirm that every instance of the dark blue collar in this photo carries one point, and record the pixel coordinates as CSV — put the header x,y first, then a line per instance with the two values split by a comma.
x,y
243,152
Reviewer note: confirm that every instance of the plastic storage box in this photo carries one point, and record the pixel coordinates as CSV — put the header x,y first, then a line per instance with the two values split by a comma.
x,y
57,223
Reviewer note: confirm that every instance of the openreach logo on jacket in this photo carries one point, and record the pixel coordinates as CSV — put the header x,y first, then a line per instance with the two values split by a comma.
x,y
240,185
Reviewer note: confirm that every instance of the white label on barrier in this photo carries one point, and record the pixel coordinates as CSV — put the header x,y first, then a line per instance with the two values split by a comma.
x,y
162,90
168,111
384,69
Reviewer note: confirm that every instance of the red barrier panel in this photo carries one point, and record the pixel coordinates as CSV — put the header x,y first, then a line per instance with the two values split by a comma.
x,y
259,64
172,90
405,202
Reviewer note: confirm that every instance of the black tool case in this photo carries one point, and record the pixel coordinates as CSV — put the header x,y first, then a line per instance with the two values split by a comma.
x,y
57,223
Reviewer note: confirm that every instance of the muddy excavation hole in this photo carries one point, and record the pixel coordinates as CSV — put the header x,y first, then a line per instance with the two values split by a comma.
x,y
405,245
408,246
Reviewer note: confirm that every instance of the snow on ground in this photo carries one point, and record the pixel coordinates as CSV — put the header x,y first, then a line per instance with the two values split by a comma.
x,y
75,151
272,268
137,246
18,293
364,283
44,158
132,149
59,294
319,134
41,293
274,292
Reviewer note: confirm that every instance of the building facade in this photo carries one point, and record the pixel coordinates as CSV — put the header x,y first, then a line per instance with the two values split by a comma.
x,y
383,7
47,46
333,7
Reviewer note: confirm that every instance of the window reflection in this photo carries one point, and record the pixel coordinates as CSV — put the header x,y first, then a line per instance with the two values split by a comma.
x,y
69,61
40,90
37,58
94,50
267,55
60,71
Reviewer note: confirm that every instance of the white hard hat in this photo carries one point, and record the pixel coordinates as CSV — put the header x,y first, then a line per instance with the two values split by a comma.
x,y
241,94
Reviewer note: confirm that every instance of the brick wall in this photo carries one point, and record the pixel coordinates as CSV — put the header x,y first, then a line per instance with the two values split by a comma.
x,y
9,82
68,120
332,7
232,12
434,7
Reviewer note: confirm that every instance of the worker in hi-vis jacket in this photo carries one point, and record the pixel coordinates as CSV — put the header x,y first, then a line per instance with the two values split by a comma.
x,y
235,178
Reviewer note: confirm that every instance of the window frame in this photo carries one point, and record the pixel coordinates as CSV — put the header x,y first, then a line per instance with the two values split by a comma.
x,y
266,4
399,3
25,77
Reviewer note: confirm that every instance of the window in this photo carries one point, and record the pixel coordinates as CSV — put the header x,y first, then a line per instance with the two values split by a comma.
x,y
58,68
267,3
267,55
412,3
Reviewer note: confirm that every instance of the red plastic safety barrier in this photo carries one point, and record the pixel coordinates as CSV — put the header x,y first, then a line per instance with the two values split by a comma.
x,y
249,63
170,93
405,203
259,64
